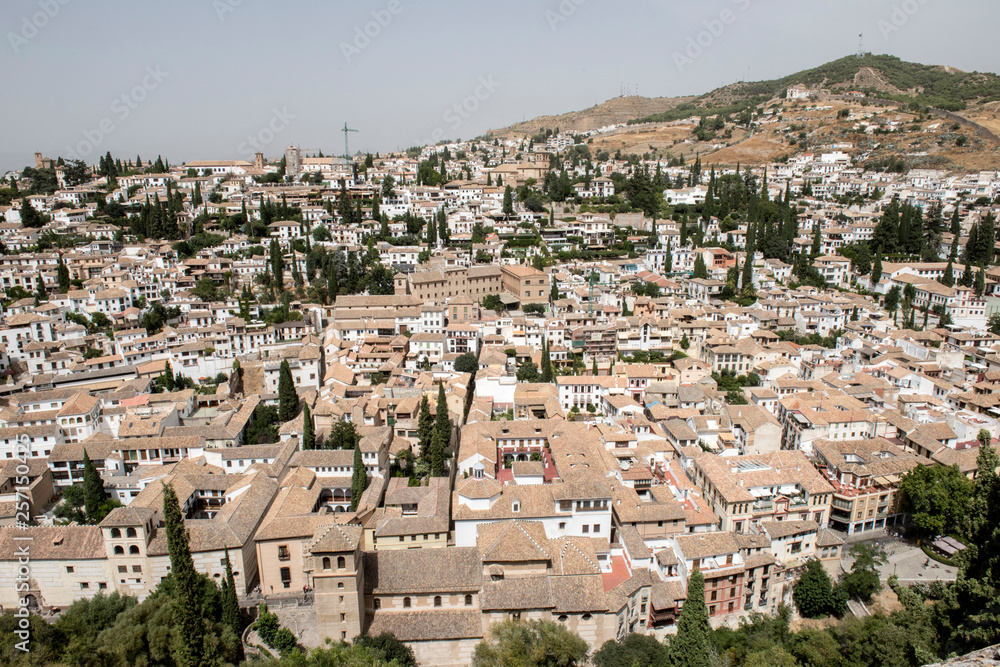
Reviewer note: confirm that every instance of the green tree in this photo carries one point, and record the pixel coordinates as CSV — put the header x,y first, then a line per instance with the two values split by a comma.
x,y
442,434
63,276
700,270
547,374
948,280
516,643
93,490
308,429
892,300
359,478
190,649
633,650
508,202
288,398
425,429
206,290
685,343
813,593
230,601
388,648
863,581
467,363
167,378
877,270
30,217
692,647
938,499
980,283
527,372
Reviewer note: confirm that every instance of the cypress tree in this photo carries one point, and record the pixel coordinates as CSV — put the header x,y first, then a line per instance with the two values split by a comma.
x,y
877,270
308,429
593,367
277,263
288,398
230,602
948,280
547,375
442,434
63,276
425,429
700,270
980,284
359,478
189,611
966,279
93,489
692,645
751,248
168,377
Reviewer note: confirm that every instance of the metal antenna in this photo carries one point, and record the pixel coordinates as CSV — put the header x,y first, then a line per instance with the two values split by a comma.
x,y
347,152
861,45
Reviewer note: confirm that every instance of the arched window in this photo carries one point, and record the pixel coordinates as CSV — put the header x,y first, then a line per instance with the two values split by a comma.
x,y
326,562
437,600
468,600
119,551
133,550
378,604
406,603
115,533
340,584
341,562
130,532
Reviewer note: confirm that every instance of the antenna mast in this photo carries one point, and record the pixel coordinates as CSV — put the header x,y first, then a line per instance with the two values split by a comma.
x,y
861,45
347,152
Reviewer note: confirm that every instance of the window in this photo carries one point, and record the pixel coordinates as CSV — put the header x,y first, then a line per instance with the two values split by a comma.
x,y
377,604
597,527
283,552
468,600
130,532
133,550
340,584
437,600
341,563
714,596
137,569
84,585
115,533
286,577
69,569
122,569
326,562
406,603
119,551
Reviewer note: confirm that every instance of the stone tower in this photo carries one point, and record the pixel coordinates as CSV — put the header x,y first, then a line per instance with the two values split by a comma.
x,y
338,581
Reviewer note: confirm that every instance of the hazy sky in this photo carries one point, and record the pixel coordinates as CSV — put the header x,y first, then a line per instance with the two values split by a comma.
x,y
206,79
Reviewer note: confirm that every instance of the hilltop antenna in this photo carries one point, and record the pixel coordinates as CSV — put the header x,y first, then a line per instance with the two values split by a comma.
x,y
347,152
861,45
